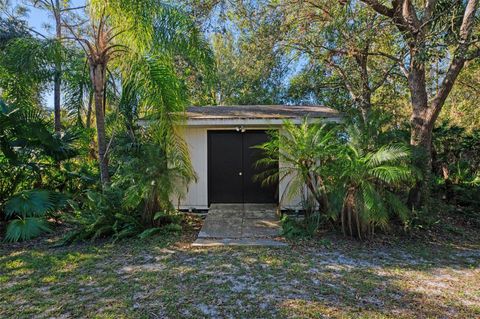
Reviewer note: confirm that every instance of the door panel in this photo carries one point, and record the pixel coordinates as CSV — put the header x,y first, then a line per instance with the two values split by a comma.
x,y
254,191
231,168
225,164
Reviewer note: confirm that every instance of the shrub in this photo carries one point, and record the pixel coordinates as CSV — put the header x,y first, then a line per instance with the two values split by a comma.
x,y
367,186
28,211
344,176
305,151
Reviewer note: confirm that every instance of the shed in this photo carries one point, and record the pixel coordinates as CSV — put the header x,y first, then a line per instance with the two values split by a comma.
x,y
220,140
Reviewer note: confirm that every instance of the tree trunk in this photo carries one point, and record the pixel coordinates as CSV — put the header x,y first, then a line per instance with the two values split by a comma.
x,y
58,70
421,141
98,75
89,110
365,103
421,131
415,30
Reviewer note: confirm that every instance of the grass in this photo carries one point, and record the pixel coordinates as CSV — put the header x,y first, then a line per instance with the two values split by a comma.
x,y
162,277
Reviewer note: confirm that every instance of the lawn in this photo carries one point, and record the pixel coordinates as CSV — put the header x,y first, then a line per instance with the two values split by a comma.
x,y
162,277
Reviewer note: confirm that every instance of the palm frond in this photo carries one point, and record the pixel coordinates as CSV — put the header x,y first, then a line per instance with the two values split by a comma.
x,y
33,203
392,175
374,209
27,228
388,153
397,206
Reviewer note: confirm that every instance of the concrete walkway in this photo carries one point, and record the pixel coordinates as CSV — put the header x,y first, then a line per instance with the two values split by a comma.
x,y
240,224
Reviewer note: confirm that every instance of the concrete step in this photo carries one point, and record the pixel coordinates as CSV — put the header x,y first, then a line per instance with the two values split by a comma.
x,y
204,242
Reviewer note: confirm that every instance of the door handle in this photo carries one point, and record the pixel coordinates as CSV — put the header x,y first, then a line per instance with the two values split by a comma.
x,y
240,173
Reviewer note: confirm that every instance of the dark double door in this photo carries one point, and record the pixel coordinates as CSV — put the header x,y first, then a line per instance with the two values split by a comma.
x,y
232,167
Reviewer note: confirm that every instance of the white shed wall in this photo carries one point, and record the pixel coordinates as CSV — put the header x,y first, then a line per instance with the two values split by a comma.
x,y
196,196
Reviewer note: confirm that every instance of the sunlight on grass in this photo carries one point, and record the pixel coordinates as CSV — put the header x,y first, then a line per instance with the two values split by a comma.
x,y
15,264
134,279
50,279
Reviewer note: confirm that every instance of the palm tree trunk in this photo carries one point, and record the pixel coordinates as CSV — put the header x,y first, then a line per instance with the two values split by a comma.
x,y
89,110
58,70
359,226
98,76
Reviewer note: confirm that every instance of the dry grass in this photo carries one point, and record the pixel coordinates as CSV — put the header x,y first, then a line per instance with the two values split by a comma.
x,y
164,278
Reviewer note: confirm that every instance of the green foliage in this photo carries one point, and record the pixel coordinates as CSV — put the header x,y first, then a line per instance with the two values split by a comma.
x,y
165,218
34,203
27,211
316,85
457,153
29,150
368,181
305,149
21,229
11,28
251,66
350,178
457,165
26,69
107,215
31,157
304,228
101,215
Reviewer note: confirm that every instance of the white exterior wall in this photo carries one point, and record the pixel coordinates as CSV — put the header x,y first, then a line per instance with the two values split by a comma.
x,y
197,192
294,202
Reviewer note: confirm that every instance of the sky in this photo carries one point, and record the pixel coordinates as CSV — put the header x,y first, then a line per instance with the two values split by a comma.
x,y
37,18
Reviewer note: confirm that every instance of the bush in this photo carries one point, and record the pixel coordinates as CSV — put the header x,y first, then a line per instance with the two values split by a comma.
x,y
351,180
36,164
106,215
456,164
303,228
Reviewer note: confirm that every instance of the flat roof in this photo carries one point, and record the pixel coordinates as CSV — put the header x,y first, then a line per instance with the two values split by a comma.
x,y
260,112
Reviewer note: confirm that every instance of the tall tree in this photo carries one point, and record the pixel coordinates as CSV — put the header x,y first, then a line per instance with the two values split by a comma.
x,y
440,37
251,66
59,10
341,45
141,42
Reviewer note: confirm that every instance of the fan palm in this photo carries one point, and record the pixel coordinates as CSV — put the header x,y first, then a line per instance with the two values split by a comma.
x,y
127,35
27,211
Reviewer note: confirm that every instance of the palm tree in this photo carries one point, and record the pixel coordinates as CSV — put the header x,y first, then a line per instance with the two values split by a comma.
x,y
304,151
368,181
129,35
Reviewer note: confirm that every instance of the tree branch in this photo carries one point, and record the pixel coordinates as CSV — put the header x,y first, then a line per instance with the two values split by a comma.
x,y
458,60
380,8
429,6
74,8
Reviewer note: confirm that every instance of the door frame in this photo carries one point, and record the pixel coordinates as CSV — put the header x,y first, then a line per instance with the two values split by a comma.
x,y
209,162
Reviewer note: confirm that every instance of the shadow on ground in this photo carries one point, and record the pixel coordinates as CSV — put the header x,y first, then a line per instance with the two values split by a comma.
x,y
155,279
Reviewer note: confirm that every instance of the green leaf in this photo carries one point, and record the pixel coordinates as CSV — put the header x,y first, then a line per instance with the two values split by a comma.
x,y
392,174
149,232
33,203
388,153
26,228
